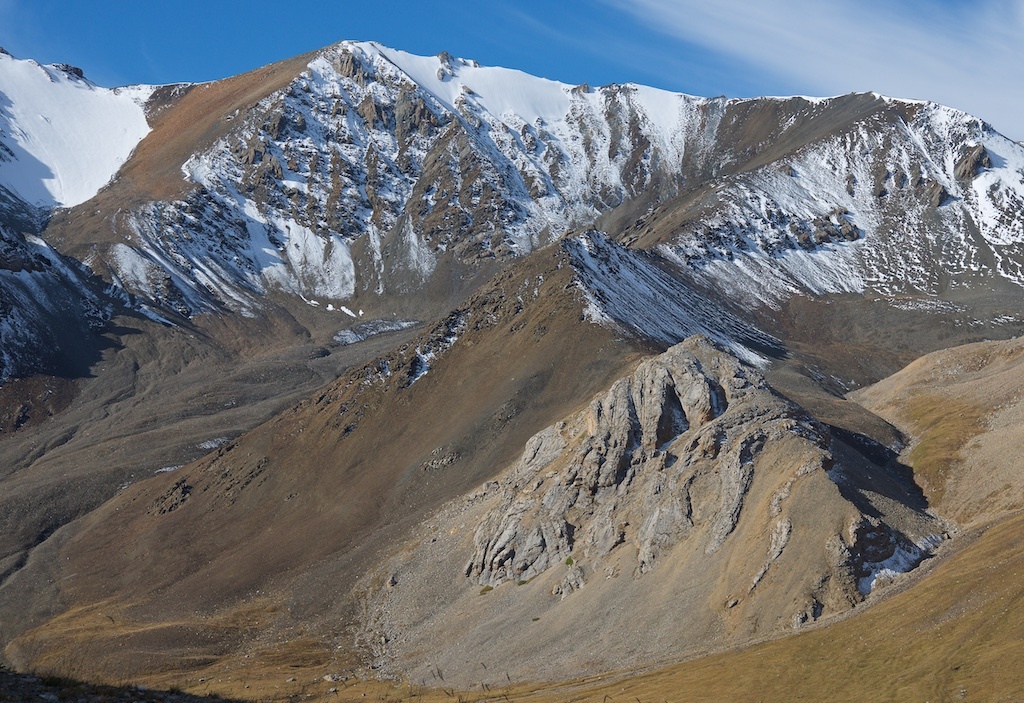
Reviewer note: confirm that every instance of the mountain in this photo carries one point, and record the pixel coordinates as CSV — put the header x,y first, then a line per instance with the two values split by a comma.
x,y
686,487
340,178
62,138
347,182
360,357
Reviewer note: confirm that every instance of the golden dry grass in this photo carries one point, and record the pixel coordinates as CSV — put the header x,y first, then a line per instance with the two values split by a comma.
x,y
957,635
943,426
961,408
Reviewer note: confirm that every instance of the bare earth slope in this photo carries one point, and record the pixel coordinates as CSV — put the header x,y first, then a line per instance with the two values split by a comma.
x,y
688,506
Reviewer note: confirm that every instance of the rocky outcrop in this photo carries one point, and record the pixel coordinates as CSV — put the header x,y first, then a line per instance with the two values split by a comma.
x,y
666,455
936,194
687,503
619,452
974,159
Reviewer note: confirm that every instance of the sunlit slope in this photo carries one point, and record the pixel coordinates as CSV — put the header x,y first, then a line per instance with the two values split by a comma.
x,y
962,408
956,635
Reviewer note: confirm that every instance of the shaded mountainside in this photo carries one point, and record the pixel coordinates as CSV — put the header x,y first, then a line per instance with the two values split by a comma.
x,y
51,311
20,688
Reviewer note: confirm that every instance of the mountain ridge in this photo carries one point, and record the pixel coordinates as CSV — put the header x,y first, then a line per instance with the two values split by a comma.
x,y
362,219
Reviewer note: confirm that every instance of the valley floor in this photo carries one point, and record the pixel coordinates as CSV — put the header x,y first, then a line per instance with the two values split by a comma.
x,y
951,635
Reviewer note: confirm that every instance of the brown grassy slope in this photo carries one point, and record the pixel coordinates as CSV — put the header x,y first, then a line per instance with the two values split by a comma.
x,y
956,635
18,688
963,408
194,122
294,510
155,397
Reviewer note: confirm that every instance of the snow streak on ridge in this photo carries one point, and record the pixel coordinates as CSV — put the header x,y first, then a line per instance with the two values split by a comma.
x,y
638,292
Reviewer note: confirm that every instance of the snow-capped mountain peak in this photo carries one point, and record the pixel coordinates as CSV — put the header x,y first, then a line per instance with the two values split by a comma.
x,y
372,168
453,81
62,137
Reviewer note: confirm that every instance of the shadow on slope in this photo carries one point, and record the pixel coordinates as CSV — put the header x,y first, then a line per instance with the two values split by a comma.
x,y
295,511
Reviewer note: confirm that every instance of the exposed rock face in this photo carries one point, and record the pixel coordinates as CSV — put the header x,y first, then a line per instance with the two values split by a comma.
x,y
667,454
689,487
625,448
973,160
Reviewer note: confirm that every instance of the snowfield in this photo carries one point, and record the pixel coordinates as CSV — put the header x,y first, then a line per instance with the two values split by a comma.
x,y
62,137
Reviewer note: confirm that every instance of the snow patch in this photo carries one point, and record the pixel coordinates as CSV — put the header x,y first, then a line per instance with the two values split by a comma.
x,y
905,557
440,342
214,443
371,328
932,305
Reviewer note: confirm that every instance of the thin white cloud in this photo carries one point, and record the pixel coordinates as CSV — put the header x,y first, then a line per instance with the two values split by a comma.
x,y
598,41
967,55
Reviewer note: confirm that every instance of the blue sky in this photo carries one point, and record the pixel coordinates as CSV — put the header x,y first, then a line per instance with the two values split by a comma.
x,y
967,54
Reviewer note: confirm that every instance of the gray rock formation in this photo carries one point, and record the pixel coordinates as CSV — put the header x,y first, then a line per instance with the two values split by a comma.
x,y
665,454
687,503
974,159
